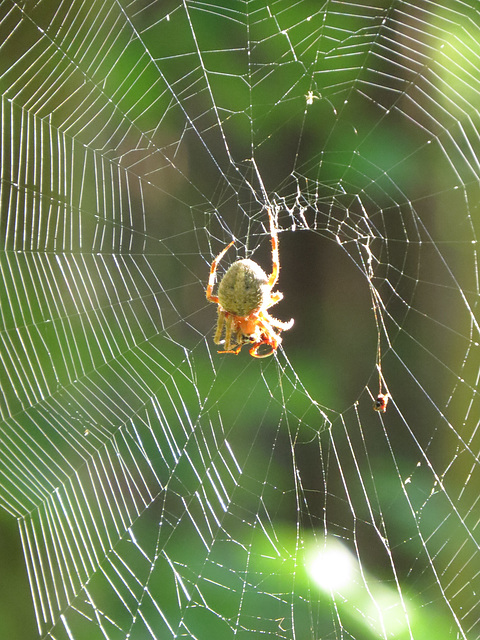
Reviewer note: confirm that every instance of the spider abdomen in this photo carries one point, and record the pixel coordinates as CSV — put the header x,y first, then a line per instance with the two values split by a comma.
x,y
244,288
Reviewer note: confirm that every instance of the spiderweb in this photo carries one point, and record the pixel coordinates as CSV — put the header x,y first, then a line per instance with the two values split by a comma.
x,y
162,489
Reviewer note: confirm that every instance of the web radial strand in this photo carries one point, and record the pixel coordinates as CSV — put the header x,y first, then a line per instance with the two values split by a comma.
x,y
162,489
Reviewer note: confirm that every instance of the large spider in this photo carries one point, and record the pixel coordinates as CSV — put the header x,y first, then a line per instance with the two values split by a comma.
x,y
244,295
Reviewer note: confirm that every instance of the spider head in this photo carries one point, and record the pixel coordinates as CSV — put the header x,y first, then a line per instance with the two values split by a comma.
x,y
249,330
254,331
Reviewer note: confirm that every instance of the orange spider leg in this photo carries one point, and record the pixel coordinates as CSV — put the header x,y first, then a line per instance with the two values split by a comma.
x,y
213,270
277,296
235,351
274,298
275,322
268,336
275,259
257,345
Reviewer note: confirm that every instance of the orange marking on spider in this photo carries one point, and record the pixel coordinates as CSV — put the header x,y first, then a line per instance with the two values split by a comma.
x,y
244,295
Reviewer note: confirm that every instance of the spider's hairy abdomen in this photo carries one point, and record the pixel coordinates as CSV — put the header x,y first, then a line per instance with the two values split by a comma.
x,y
244,288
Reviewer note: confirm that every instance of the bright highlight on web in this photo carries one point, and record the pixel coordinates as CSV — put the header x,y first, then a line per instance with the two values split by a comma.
x,y
161,482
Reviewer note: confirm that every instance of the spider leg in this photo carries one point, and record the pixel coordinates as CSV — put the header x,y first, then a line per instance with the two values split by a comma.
x,y
220,322
274,298
229,346
239,337
257,345
234,351
277,323
213,270
268,336
226,318
275,259
228,333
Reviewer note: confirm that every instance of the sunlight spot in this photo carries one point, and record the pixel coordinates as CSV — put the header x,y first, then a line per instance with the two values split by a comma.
x,y
331,567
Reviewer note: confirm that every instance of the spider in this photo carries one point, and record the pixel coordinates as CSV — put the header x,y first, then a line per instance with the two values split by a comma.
x,y
244,295
381,402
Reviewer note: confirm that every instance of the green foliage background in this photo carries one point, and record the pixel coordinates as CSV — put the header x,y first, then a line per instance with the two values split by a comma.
x,y
382,132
